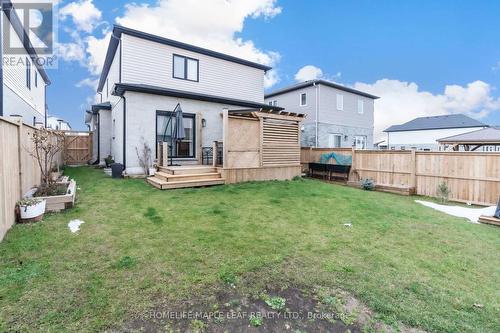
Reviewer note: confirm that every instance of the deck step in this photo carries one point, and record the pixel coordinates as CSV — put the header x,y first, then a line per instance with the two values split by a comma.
x,y
164,185
195,176
187,170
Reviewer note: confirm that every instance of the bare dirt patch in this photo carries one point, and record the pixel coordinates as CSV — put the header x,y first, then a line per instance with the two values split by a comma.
x,y
293,310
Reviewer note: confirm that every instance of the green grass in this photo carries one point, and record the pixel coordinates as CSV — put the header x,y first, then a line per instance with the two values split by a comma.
x,y
139,246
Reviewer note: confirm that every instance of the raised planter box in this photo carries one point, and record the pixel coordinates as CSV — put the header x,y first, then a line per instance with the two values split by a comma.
x,y
60,202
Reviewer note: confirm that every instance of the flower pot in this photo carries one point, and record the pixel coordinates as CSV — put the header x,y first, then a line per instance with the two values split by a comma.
x,y
152,171
32,213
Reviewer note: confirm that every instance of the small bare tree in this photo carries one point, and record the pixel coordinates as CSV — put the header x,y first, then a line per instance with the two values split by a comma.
x,y
46,145
144,156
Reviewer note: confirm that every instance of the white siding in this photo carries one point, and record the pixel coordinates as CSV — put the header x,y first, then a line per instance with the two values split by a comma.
x,y
423,139
147,62
291,102
15,78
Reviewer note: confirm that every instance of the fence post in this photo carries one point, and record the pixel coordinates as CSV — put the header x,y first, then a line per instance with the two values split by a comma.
x,y
19,155
214,154
413,169
164,154
353,164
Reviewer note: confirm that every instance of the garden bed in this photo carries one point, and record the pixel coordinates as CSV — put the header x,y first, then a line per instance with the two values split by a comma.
x,y
56,203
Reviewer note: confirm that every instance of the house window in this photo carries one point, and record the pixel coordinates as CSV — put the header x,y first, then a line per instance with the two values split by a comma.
x,y
28,73
334,140
360,142
165,127
361,106
340,102
271,103
275,103
185,68
303,99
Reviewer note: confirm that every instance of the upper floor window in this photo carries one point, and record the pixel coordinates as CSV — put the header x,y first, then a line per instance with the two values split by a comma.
x,y
361,106
185,68
303,99
28,73
340,102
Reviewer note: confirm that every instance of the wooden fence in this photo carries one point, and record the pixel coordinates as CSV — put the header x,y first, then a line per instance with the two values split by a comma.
x,y
471,176
19,171
77,148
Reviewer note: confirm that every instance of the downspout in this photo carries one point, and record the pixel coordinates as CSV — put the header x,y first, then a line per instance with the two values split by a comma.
x,y
317,114
98,138
124,130
45,103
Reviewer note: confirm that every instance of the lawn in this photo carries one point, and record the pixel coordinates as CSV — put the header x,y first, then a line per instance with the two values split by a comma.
x,y
140,247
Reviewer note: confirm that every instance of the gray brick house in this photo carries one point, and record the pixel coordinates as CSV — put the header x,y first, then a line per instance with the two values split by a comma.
x,y
337,116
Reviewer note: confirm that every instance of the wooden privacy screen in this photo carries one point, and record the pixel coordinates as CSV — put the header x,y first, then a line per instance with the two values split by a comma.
x,y
280,142
242,143
77,148
471,176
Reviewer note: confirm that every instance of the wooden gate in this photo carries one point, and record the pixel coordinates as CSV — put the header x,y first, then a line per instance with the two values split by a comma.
x,y
77,148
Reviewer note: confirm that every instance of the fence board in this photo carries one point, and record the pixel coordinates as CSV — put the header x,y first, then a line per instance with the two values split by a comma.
x,y
471,176
19,171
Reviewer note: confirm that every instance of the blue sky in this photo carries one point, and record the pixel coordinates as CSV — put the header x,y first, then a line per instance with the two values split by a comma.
x,y
421,57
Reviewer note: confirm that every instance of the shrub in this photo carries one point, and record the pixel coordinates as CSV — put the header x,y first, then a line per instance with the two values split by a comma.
x,y
443,192
256,321
276,303
367,184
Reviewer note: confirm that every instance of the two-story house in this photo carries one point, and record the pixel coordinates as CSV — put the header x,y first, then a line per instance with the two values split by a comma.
x,y
146,76
23,79
337,116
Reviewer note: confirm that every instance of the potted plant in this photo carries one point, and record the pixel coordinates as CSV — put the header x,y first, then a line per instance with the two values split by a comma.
x,y
31,209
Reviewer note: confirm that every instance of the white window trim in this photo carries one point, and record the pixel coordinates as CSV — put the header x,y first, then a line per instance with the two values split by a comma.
x,y
300,99
340,98
362,104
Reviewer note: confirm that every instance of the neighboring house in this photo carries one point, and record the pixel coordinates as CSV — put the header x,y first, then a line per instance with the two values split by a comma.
x,y
337,116
143,79
23,81
484,139
423,133
58,124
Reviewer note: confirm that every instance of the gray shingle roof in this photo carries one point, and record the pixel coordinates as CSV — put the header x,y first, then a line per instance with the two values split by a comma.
x,y
323,82
437,122
486,135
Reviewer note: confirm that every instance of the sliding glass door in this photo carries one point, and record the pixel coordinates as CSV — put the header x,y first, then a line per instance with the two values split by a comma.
x,y
165,131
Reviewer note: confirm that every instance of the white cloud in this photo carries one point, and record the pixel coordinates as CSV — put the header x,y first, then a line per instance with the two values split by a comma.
x,y
310,72
96,48
70,51
84,14
403,101
188,21
307,73
88,82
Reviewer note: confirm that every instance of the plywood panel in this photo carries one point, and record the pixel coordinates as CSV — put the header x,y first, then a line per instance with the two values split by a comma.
x,y
239,175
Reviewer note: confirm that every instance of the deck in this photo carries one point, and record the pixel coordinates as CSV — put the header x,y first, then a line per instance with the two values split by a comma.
x,y
173,177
